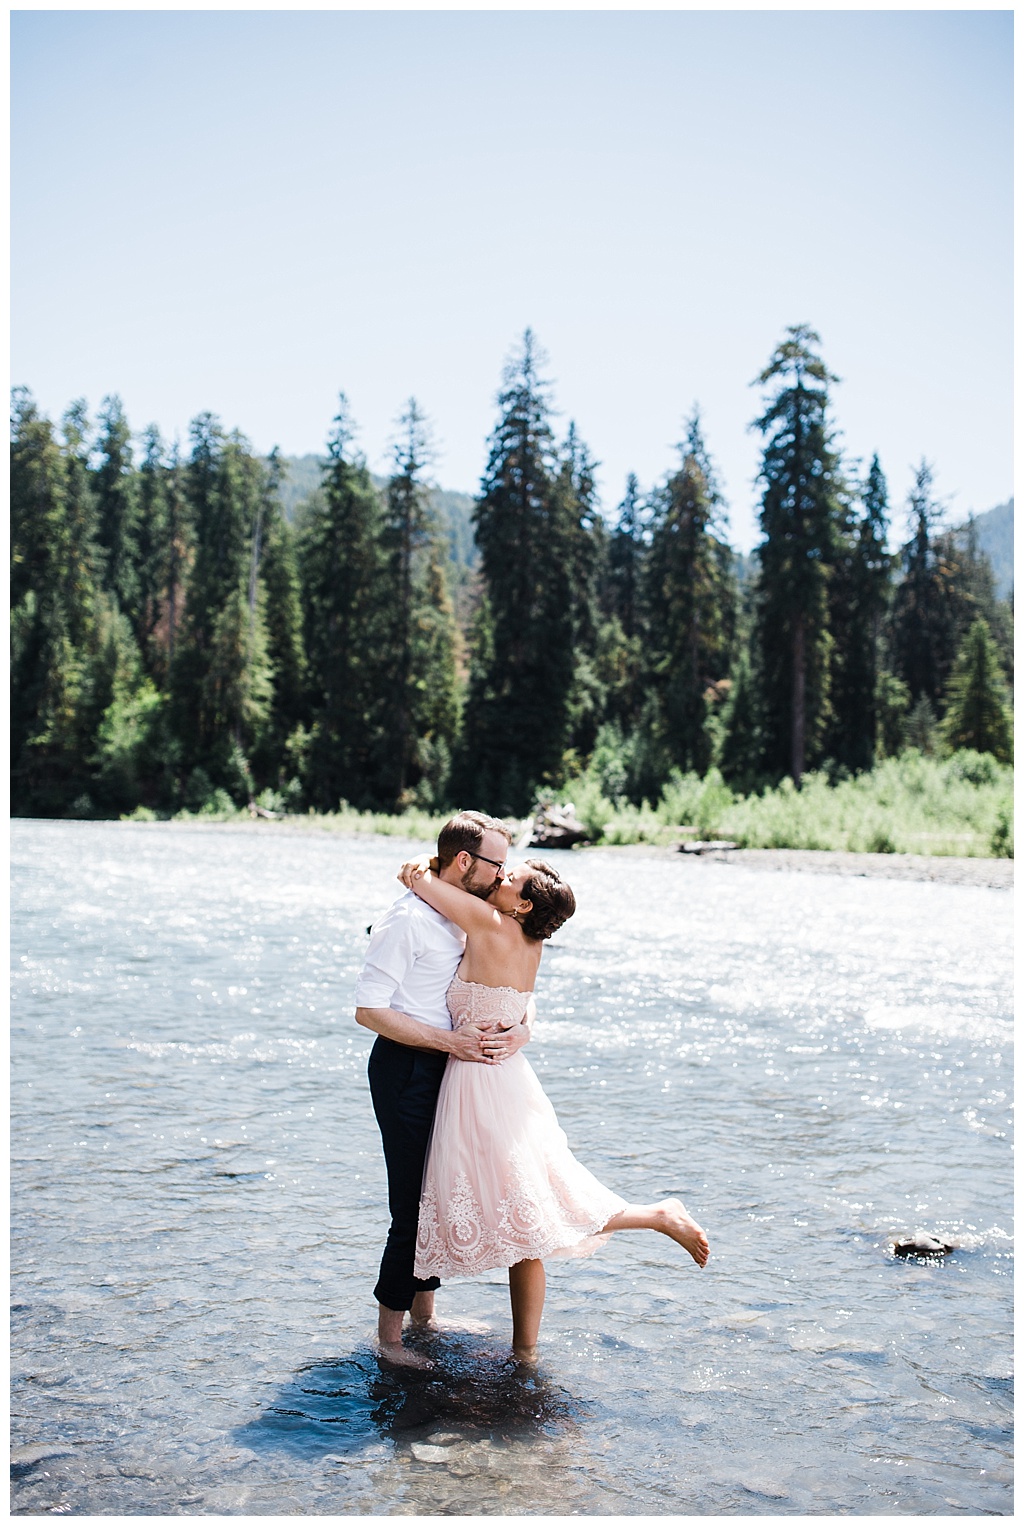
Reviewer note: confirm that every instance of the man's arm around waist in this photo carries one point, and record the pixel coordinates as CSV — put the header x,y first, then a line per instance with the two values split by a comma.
x,y
465,1043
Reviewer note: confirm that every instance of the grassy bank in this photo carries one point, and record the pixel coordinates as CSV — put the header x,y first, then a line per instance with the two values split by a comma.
x,y
961,806
346,821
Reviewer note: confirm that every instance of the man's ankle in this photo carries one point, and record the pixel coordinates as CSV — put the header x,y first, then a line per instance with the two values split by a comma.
x,y
389,1325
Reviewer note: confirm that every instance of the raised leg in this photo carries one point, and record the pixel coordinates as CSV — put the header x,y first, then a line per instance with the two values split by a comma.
x,y
668,1218
527,1284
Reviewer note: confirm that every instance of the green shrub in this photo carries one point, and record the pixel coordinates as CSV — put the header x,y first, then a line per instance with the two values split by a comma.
x,y
974,767
907,804
220,806
1001,842
141,813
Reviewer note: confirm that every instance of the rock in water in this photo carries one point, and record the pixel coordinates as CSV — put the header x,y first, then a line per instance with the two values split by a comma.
x,y
39,1451
921,1244
557,826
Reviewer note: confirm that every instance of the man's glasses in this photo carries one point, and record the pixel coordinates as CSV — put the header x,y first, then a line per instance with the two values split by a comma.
x,y
491,861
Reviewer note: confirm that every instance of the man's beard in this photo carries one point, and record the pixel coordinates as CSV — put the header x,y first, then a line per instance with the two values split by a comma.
x,y
480,891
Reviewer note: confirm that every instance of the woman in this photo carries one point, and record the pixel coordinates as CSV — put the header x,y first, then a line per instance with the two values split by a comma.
x,y
501,1187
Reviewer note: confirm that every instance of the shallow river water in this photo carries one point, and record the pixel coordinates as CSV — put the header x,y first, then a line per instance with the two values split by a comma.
x,y
816,1064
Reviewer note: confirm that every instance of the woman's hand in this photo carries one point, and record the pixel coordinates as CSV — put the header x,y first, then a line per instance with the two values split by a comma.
x,y
488,1043
414,869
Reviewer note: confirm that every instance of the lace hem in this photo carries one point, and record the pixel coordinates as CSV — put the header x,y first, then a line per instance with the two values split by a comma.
x,y
534,1221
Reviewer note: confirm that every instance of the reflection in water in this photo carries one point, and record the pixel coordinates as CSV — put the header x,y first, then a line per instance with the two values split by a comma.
x,y
473,1394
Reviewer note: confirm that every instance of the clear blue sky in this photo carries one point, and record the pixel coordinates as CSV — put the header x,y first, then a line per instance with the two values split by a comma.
x,y
249,211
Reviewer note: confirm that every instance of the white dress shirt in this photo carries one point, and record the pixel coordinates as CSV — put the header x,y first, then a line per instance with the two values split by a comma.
x,y
413,954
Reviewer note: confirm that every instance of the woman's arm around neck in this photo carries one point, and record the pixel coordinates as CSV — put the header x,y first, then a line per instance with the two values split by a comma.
x,y
467,911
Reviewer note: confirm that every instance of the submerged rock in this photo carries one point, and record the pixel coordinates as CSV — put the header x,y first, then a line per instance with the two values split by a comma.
x,y
424,1453
39,1451
921,1244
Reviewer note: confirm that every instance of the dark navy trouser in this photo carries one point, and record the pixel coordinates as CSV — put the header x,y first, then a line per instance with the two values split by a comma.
x,y
404,1083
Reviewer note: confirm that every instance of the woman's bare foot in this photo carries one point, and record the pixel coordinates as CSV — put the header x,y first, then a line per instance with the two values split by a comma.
x,y
526,1356
674,1221
396,1355
421,1315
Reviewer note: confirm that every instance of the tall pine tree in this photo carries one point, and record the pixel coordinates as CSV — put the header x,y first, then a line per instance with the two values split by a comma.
x,y
579,544
422,716
800,511
859,596
689,599
276,564
152,530
341,569
620,633
978,710
517,717
921,638
220,677
118,510
54,620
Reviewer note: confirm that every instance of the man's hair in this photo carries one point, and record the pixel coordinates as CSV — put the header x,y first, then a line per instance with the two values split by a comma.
x,y
553,901
464,834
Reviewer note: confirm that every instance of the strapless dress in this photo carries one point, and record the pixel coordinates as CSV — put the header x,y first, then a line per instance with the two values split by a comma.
x,y
501,1184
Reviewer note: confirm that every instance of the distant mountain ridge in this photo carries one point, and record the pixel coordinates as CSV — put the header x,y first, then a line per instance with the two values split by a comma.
x,y
994,530
302,476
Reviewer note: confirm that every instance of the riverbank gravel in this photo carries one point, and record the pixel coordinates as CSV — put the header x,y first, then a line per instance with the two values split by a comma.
x,y
996,873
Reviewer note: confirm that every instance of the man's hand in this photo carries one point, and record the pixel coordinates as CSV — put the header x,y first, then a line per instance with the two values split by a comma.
x,y
482,1044
488,1046
473,1043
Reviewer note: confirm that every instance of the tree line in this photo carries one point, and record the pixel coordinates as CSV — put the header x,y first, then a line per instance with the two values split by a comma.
x,y
176,640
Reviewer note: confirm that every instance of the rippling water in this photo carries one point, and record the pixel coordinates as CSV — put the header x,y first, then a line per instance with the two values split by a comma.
x,y
815,1064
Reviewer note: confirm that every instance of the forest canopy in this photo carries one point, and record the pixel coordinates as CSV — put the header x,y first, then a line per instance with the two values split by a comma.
x,y
189,630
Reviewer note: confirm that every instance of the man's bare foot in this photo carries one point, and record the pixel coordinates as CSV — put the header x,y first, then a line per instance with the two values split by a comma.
x,y
397,1355
675,1222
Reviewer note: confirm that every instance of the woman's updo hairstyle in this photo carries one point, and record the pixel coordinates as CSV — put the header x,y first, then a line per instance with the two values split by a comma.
x,y
553,901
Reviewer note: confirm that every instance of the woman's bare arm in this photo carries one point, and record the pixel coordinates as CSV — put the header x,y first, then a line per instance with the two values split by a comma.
x,y
467,911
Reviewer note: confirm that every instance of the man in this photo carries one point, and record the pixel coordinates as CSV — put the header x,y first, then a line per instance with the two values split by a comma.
x,y
400,996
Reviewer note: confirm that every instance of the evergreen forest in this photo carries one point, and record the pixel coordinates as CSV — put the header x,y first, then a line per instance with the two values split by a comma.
x,y
189,635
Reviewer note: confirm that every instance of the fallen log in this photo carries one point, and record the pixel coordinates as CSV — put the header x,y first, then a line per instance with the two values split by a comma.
x,y
260,813
556,826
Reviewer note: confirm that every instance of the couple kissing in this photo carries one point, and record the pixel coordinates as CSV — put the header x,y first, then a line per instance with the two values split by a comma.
x,y
480,1175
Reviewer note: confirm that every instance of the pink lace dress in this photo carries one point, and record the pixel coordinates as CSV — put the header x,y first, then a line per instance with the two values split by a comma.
x,y
501,1184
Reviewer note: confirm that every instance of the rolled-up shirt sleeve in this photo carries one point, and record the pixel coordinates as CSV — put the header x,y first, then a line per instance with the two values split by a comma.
x,y
389,958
